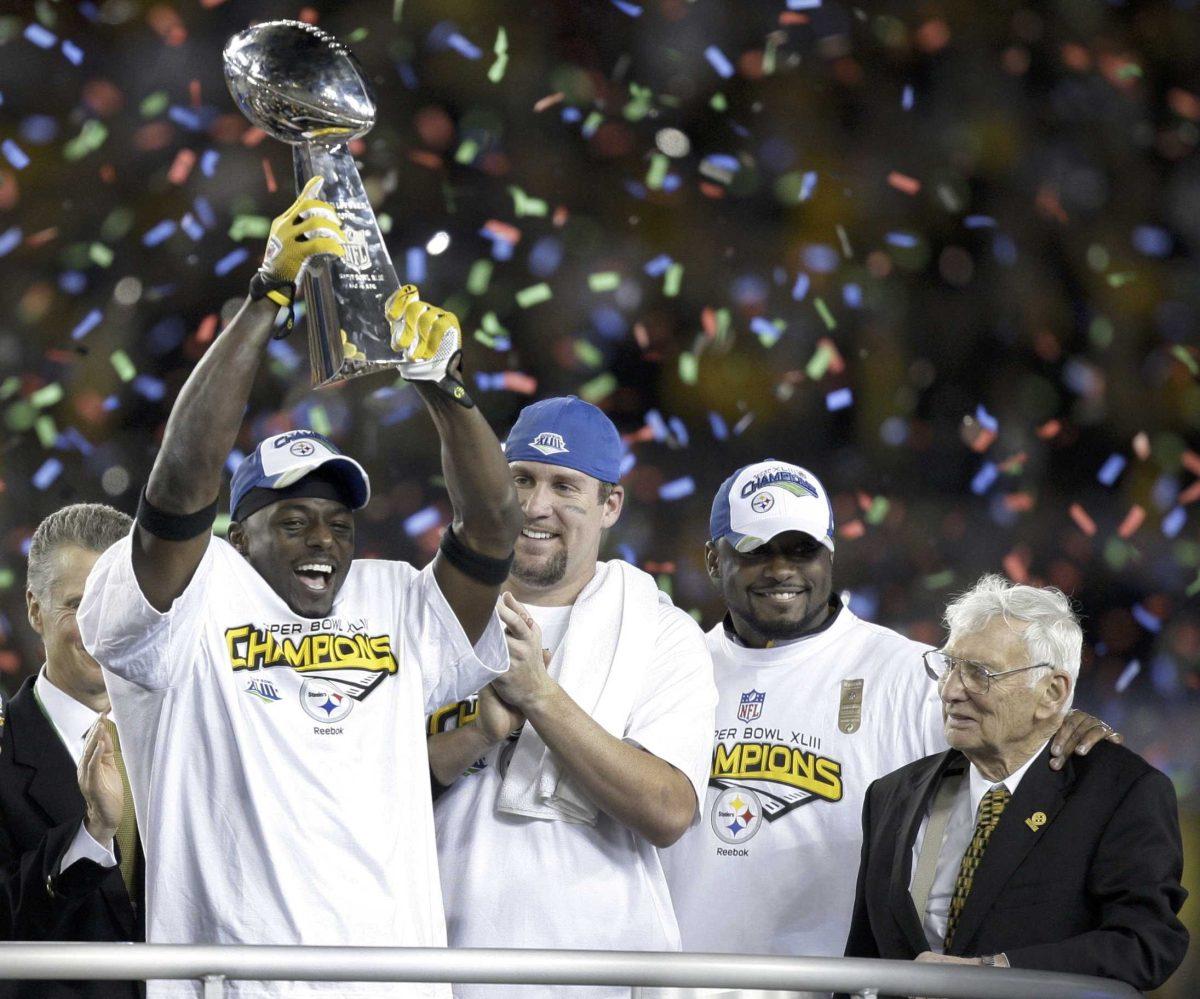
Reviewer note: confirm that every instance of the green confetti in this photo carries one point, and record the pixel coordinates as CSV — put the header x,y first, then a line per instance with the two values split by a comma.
x,y
155,103
534,295
604,281
588,353
1131,70
20,416
496,73
318,419
819,363
479,277
1194,586
90,138
100,254
659,165
592,122
397,10
466,152
598,387
116,224
664,583
1184,357
640,99
1119,280
357,35
824,313
487,341
385,222
879,509
938,580
250,227
123,365
47,432
493,325
523,204
672,280
689,368
48,395
11,384
718,102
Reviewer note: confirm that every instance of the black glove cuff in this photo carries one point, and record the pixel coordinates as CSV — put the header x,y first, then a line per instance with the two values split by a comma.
x,y
282,293
481,568
174,526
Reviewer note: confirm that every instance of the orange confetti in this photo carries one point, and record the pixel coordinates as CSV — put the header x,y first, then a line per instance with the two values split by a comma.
x,y
503,230
1019,502
194,92
272,187
516,381
42,237
1191,461
789,17
852,529
932,36
1141,445
1184,103
1190,494
422,157
658,567
904,183
548,102
1133,520
1082,520
206,329
185,159
1015,567
1049,429
983,440
252,137
643,435
560,216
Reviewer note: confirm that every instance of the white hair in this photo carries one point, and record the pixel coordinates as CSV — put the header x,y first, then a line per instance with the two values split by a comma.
x,y
91,526
1052,634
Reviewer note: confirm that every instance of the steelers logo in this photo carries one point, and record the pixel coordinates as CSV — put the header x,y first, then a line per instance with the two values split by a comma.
x,y
762,503
736,815
302,449
324,702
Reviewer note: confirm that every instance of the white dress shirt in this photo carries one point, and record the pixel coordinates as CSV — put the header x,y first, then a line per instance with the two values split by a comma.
x,y
959,830
72,721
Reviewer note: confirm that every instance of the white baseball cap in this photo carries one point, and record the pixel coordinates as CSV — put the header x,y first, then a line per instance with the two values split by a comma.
x,y
767,498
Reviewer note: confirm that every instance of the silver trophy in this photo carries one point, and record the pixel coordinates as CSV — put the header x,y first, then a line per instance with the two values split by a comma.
x,y
303,87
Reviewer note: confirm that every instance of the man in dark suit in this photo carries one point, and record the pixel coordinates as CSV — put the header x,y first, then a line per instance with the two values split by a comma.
x,y
69,856
983,854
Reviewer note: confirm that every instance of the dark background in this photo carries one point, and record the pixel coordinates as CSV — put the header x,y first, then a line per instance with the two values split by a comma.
x,y
979,219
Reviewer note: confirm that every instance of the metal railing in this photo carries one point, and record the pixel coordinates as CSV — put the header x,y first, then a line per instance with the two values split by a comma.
x,y
213,965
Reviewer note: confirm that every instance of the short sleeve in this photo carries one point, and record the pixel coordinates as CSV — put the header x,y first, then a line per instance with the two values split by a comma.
x,y
451,669
124,633
675,714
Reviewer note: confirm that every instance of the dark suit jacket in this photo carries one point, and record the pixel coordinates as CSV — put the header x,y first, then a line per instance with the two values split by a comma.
x,y
1093,891
40,812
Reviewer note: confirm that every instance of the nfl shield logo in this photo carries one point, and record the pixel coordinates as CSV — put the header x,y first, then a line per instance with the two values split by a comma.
x,y
751,706
358,257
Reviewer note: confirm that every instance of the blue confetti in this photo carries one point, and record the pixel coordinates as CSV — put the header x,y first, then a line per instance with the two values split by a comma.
x,y
678,489
87,324
627,554
852,295
632,9
204,212
906,98
905,240
14,154
839,399
111,402
72,282
679,430
192,227
658,266
820,257
610,323
159,233
208,162
149,388
1127,675
422,521
628,460
765,330
985,419
720,429
571,115
1004,249
235,458
73,52
187,117
39,129
808,184
44,477
485,381
803,4
40,37
72,440
1111,469
1152,241
1173,522
414,265
545,256
657,425
10,239
800,288
979,222
1146,619
719,61
463,46
167,334
984,478
89,10
230,261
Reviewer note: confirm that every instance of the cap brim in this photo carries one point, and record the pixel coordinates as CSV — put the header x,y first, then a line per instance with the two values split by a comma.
x,y
349,471
770,529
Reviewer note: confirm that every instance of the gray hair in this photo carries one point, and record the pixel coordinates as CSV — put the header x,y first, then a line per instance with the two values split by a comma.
x,y
1052,635
90,526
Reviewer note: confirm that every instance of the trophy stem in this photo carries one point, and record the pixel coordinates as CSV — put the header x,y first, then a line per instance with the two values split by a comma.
x,y
320,300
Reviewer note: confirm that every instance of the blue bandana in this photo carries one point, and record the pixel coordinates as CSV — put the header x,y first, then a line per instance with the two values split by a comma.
x,y
569,432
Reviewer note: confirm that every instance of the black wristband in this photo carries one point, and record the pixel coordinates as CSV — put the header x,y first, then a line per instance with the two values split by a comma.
x,y
174,526
481,568
281,293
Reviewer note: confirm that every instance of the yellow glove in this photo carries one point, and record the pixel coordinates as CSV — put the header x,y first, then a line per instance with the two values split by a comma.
x,y
428,341
306,230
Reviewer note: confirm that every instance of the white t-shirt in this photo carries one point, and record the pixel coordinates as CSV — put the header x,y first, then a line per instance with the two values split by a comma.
x,y
802,730
511,881
278,763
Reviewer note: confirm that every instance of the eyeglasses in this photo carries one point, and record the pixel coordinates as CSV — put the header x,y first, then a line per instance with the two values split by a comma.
x,y
976,677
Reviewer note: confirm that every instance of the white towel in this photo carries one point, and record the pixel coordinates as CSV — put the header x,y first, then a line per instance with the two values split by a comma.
x,y
612,629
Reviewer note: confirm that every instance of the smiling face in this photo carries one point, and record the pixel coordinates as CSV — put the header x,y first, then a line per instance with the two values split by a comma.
x,y
1013,718
302,547
777,592
565,516
52,615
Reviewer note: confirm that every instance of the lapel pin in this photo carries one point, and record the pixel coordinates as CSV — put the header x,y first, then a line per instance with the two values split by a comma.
x,y
1036,821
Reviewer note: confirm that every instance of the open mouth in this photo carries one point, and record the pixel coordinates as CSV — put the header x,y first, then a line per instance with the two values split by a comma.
x,y
533,534
780,595
315,576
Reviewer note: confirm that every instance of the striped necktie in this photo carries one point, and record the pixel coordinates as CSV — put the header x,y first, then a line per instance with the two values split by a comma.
x,y
127,830
989,816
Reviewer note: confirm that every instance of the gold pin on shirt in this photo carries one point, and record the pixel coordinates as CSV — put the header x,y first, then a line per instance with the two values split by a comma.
x,y
1036,821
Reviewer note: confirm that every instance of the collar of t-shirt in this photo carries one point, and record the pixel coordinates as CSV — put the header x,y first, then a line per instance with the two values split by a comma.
x,y
553,622
793,649
71,719
980,785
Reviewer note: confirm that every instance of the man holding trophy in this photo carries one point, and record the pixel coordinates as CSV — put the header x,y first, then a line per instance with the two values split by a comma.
x,y
270,691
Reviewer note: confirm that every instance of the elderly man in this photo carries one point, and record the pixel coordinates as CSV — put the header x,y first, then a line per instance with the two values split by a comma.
x,y
984,855
71,862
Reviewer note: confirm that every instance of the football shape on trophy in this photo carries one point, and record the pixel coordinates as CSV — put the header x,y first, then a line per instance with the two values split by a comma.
x,y
299,84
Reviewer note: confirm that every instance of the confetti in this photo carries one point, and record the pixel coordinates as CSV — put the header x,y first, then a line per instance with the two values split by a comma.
x,y
534,295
